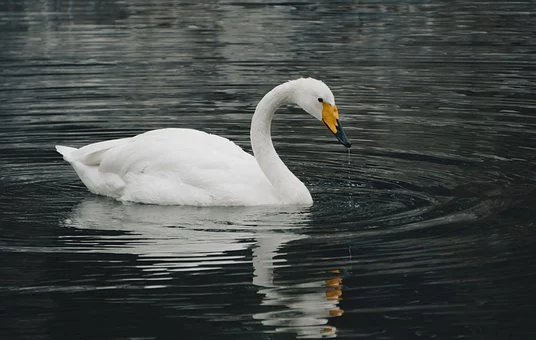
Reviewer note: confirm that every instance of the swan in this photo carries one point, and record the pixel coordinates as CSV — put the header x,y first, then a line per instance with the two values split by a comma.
x,y
179,166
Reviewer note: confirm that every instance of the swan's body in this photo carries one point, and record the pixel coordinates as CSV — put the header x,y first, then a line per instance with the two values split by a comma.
x,y
190,167
173,166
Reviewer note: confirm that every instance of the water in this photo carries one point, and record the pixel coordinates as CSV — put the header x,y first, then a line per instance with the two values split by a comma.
x,y
426,230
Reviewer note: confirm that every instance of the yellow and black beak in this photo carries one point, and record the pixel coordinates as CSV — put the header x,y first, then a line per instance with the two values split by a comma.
x,y
330,117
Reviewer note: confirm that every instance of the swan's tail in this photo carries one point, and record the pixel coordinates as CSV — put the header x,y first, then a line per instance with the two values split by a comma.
x,y
66,152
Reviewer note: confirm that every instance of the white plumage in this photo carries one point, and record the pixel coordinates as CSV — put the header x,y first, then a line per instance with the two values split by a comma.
x,y
172,166
190,167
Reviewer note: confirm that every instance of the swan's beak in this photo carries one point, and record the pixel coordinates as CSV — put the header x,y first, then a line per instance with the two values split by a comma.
x,y
330,117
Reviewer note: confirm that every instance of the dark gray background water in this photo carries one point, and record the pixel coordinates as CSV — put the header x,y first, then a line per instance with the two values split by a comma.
x,y
425,231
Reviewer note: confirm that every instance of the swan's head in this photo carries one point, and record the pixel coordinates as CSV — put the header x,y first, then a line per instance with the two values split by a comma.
x,y
316,98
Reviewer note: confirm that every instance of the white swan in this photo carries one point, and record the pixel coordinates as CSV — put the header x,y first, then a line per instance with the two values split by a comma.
x,y
190,167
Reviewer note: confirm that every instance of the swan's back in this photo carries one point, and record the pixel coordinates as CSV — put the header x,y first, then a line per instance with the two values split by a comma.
x,y
172,166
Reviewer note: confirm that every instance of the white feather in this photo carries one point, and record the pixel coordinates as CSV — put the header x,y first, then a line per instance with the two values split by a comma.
x,y
190,167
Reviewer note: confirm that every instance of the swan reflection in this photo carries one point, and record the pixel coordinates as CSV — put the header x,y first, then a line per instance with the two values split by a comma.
x,y
178,238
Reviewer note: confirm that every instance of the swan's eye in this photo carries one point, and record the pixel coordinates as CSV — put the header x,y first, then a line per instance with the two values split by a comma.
x,y
321,100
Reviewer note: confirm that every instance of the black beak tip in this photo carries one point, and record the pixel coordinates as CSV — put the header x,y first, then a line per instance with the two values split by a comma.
x,y
345,142
341,136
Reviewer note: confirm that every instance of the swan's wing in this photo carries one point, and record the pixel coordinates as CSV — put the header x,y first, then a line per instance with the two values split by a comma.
x,y
184,166
175,150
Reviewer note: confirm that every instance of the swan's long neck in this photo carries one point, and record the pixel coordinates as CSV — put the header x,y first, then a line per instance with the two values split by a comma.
x,y
288,186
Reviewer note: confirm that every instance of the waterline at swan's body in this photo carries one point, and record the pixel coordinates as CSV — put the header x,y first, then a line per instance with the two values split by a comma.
x,y
190,167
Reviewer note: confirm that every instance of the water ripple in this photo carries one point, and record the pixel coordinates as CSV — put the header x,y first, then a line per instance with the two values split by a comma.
x,y
427,220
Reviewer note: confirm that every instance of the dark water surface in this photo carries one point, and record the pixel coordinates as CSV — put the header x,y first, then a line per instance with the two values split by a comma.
x,y
426,230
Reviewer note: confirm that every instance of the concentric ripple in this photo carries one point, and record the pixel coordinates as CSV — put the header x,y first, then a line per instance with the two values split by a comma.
x,y
424,229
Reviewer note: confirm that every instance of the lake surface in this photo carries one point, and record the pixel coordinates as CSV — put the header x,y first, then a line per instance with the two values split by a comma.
x,y
425,230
